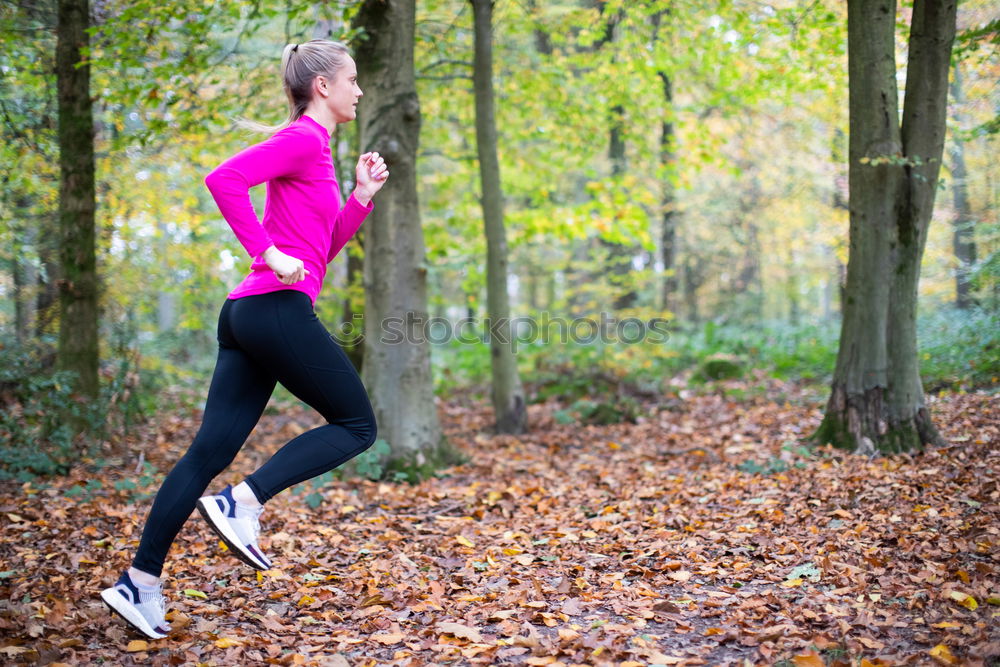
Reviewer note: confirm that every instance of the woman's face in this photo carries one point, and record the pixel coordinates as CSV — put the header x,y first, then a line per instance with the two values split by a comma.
x,y
344,92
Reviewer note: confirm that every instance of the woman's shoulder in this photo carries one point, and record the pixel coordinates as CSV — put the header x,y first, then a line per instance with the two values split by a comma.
x,y
301,132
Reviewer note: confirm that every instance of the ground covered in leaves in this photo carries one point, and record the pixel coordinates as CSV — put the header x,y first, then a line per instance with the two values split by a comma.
x,y
704,534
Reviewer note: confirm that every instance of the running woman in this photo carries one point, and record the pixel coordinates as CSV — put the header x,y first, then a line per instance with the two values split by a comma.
x,y
268,331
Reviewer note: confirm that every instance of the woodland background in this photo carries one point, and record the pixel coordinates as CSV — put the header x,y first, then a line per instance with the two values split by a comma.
x,y
677,162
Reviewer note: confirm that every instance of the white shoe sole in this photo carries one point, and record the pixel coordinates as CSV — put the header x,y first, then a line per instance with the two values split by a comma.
x,y
220,524
119,605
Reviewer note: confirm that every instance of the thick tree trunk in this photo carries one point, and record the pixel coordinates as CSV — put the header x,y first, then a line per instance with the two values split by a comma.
x,y
877,398
397,369
508,395
963,224
78,346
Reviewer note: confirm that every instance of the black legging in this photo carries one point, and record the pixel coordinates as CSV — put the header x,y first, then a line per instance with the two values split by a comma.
x,y
263,339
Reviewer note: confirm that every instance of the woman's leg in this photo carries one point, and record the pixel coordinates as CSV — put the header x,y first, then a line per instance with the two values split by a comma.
x,y
236,398
292,345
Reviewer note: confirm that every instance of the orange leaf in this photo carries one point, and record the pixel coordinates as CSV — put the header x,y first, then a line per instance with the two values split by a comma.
x,y
943,655
810,659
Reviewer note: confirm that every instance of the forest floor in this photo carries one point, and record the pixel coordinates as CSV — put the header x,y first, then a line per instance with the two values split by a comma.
x,y
704,534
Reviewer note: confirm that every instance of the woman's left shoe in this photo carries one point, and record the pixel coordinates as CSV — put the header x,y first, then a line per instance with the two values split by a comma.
x,y
239,530
144,610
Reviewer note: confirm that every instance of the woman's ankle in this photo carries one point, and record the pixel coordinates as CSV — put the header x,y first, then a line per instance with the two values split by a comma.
x,y
141,578
244,495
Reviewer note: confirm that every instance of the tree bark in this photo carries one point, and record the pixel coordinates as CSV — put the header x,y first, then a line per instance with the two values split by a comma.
x,y
25,278
78,342
397,370
963,224
877,400
507,393
353,346
671,218
619,255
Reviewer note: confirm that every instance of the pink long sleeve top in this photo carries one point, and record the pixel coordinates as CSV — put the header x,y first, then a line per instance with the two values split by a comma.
x,y
304,214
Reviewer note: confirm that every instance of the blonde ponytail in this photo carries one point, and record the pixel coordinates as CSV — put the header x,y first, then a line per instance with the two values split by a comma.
x,y
300,65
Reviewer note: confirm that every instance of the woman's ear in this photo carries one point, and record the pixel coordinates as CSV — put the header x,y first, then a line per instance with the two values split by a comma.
x,y
320,86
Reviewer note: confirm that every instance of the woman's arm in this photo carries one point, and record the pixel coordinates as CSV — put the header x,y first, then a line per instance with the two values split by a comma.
x,y
283,154
371,173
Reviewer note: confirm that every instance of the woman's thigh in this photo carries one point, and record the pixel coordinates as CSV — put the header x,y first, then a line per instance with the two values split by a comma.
x,y
282,333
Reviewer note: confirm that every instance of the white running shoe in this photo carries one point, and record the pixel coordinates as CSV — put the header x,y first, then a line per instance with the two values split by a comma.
x,y
239,533
143,610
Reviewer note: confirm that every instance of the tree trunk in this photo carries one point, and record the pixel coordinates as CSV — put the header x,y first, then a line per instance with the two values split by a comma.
x,y
543,43
618,265
25,278
508,396
671,218
840,201
354,347
397,370
694,278
877,398
346,145
668,166
78,346
963,224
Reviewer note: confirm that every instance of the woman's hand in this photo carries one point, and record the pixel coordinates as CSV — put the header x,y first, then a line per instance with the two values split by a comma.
x,y
289,270
370,175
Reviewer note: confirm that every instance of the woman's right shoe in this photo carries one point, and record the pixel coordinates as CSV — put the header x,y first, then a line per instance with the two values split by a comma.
x,y
237,530
143,610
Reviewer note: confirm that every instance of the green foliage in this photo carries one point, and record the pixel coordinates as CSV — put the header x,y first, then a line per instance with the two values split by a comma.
x,y
368,464
142,488
719,367
34,422
611,410
38,409
792,456
959,349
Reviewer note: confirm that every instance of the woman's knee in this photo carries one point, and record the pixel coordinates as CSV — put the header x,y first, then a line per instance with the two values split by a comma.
x,y
368,434
209,460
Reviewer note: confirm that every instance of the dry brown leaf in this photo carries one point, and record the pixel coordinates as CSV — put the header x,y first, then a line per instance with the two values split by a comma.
x,y
460,631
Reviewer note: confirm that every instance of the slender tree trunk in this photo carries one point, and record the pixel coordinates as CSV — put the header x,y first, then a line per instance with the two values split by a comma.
x,y
508,396
840,201
694,278
25,278
543,43
877,399
963,225
346,147
668,165
353,346
619,255
78,346
397,369
47,301
671,218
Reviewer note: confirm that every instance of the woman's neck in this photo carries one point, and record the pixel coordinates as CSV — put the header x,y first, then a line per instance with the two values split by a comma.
x,y
321,115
